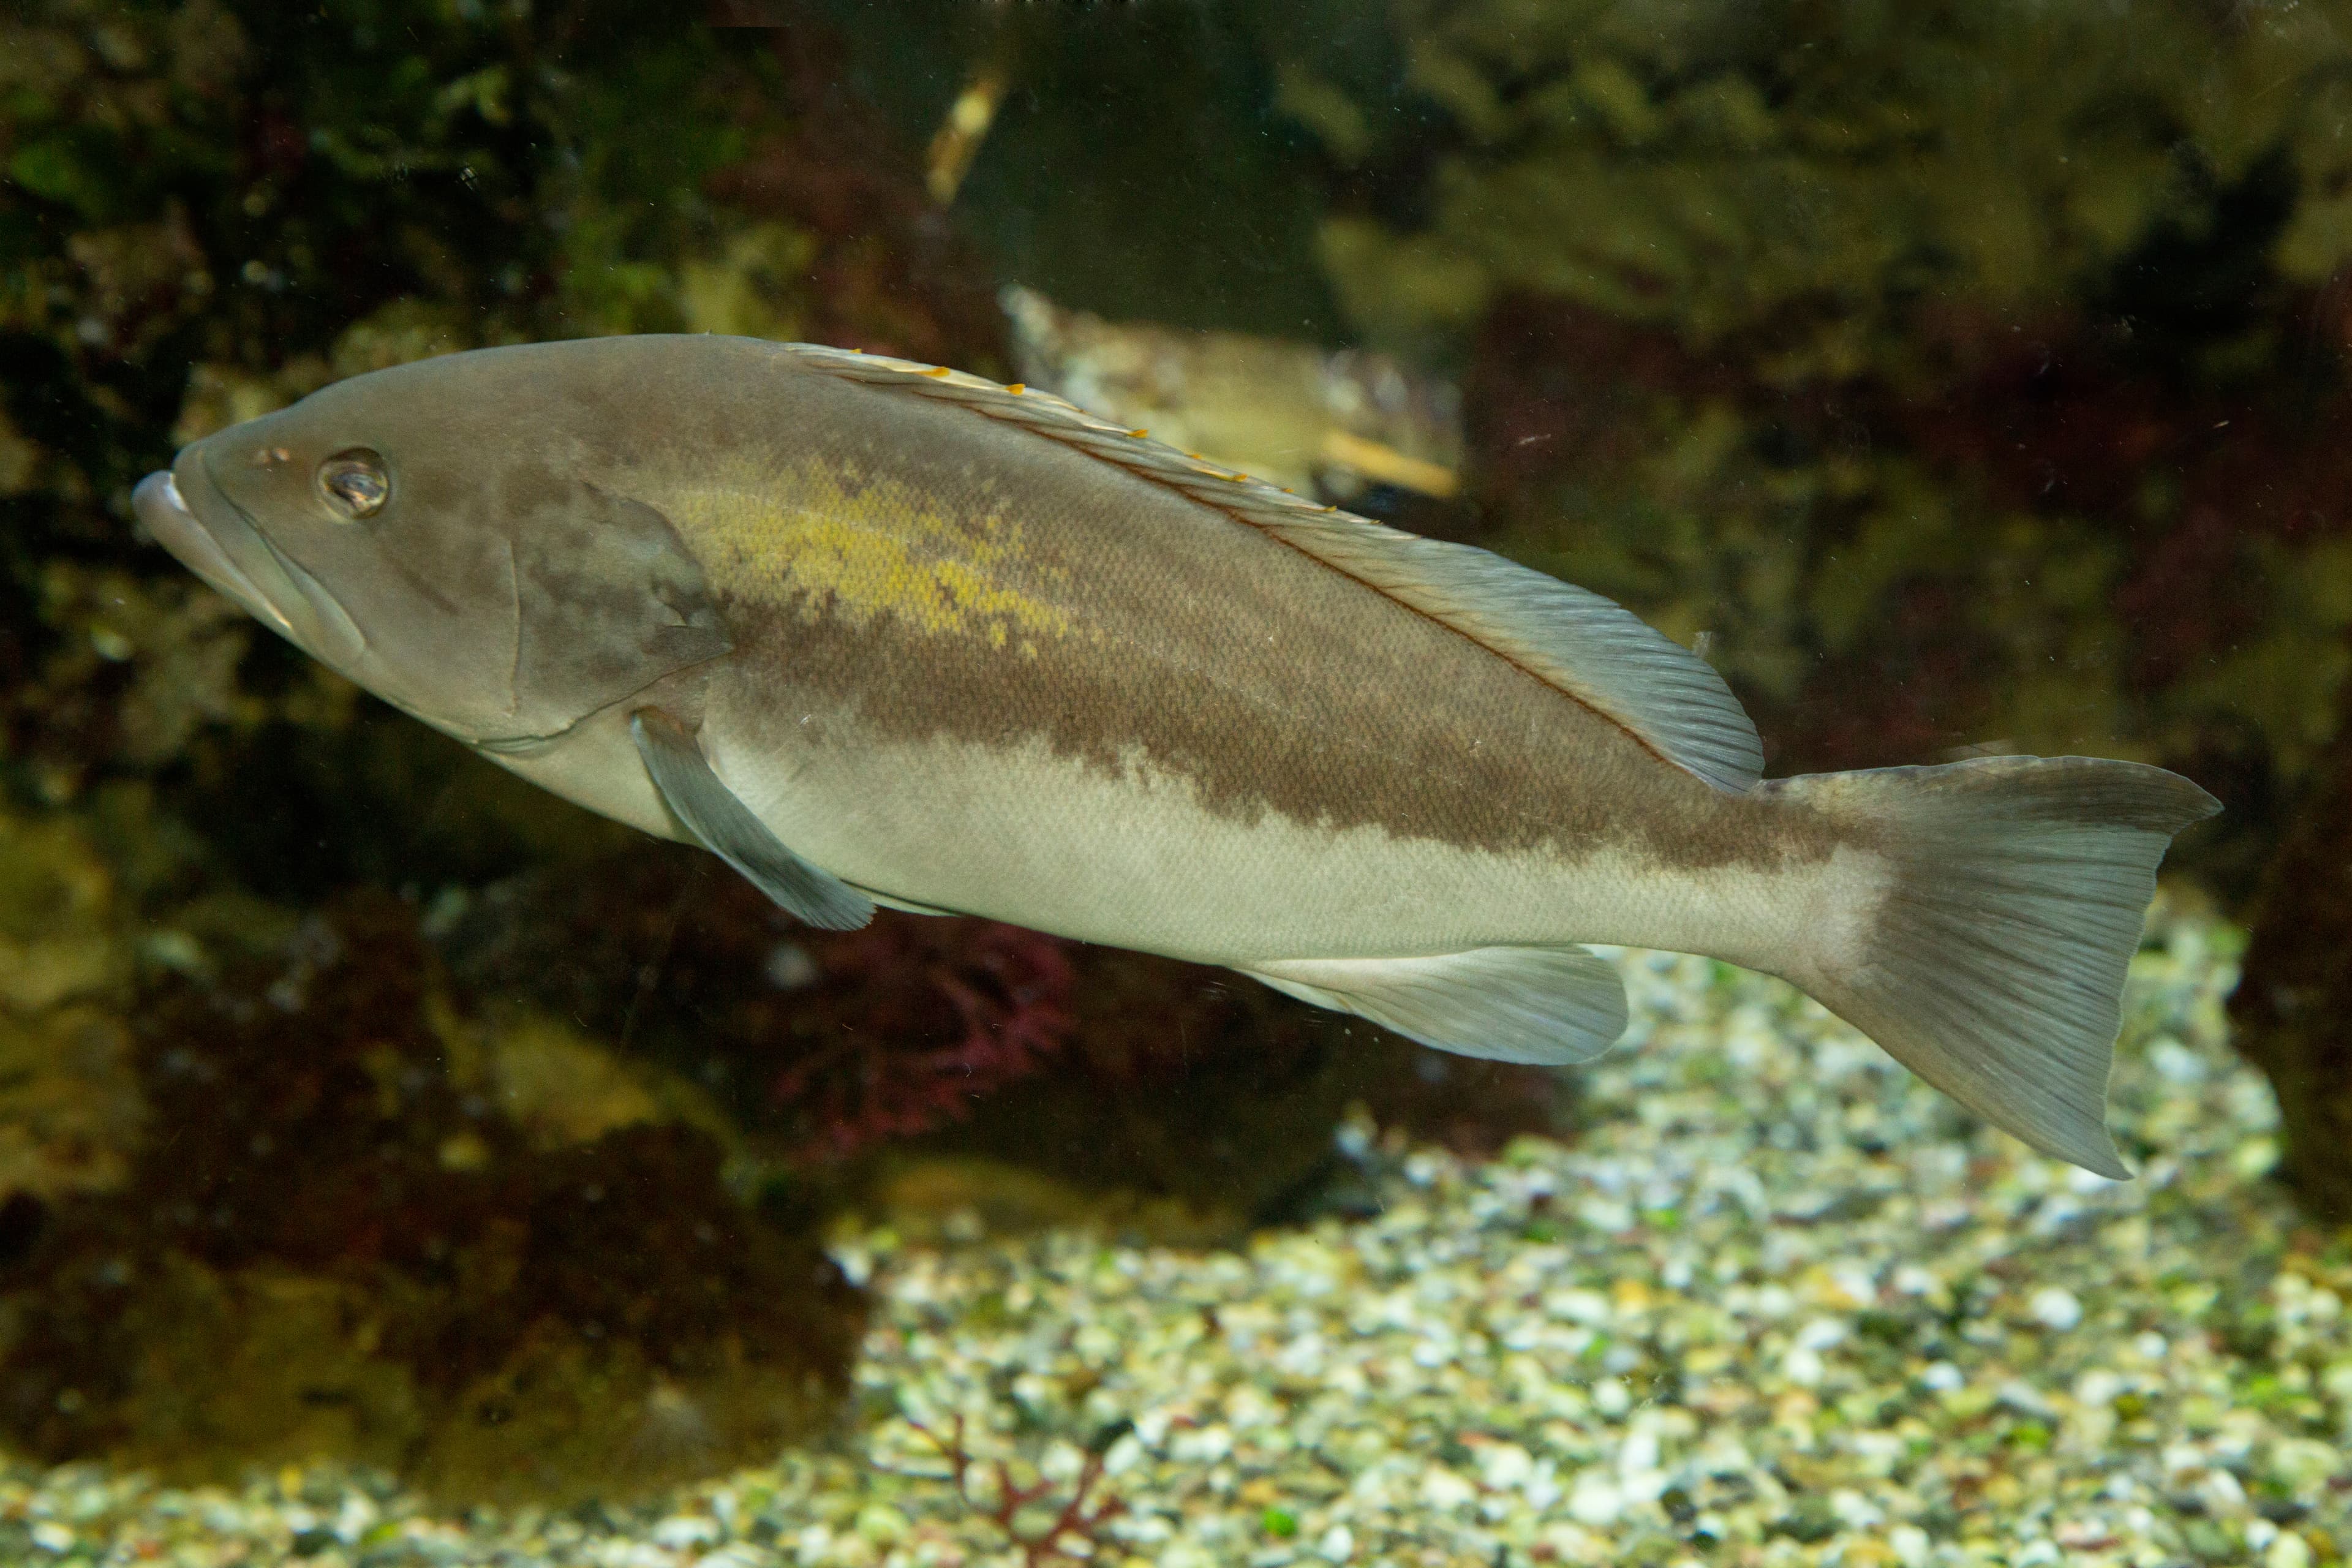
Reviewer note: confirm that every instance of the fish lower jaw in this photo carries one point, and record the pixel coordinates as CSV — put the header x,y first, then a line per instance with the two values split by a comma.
x,y
165,513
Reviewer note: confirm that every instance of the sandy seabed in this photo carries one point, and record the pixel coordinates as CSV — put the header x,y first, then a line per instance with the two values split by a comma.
x,y
1776,1303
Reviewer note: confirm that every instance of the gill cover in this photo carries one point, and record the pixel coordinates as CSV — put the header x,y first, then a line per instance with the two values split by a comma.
x,y
500,575
607,601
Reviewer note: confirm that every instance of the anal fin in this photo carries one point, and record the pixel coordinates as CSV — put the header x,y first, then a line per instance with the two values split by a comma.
x,y
1544,1005
729,830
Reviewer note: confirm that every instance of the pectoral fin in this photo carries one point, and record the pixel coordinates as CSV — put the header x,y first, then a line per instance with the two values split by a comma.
x,y
729,830
1545,1005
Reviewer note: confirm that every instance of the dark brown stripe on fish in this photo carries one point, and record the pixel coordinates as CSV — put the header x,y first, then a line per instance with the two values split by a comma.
x,y
1514,768
1239,498
1169,631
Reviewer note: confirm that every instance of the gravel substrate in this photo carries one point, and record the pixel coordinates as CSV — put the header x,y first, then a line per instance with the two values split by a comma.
x,y
1779,1304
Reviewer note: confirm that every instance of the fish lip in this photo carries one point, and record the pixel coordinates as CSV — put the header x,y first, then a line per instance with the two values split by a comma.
x,y
160,506
218,541
215,539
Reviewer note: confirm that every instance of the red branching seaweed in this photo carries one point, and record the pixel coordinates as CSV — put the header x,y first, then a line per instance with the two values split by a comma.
x,y
1077,1519
930,1016
1113,1070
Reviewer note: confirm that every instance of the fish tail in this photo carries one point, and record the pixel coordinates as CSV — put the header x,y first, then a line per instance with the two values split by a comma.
x,y
2009,897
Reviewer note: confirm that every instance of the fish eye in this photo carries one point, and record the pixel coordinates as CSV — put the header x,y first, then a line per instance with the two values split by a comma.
x,y
354,484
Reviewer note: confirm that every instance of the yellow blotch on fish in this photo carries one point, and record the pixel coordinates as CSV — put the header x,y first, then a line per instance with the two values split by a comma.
x,y
830,540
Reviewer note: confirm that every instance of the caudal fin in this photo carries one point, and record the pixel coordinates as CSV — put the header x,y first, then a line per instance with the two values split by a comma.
x,y
1993,964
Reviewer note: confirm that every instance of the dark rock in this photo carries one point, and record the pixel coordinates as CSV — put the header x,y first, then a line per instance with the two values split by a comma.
x,y
2296,991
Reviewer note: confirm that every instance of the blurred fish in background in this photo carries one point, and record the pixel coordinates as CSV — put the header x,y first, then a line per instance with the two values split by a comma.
x,y
1321,422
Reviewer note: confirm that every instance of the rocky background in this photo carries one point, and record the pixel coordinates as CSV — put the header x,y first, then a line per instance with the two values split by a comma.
x,y
1963,378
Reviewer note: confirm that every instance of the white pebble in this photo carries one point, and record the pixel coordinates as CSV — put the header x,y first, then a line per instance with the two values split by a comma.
x,y
2056,1307
1505,1466
1596,1500
2222,1493
1442,1489
2176,1063
2097,1386
355,1518
2255,1158
2289,1550
789,967
681,1532
2304,1464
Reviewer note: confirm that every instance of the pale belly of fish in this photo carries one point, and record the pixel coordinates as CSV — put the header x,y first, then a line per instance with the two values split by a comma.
x,y
1135,859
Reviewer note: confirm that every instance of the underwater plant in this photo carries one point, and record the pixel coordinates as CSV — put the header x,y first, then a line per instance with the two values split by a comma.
x,y
1860,348
1122,1073
823,1044
926,1018
1071,1532
449,1291
206,211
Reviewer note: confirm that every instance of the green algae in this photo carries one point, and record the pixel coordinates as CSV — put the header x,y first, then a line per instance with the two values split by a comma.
x,y
1827,171
213,213
506,1288
1963,375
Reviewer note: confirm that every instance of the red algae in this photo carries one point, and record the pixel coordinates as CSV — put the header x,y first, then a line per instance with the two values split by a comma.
x,y
927,1017
1118,1071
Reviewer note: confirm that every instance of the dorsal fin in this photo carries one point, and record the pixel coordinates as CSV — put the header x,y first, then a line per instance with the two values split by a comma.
x,y
1576,642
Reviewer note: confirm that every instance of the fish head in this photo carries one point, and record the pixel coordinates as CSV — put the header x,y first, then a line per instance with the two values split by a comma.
x,y
456,535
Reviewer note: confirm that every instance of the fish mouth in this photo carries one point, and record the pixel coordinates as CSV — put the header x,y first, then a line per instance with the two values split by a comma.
x,y
215,539
165,512
195,518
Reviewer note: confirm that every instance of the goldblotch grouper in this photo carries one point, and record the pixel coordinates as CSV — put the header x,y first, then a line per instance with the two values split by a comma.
x,y
881,633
